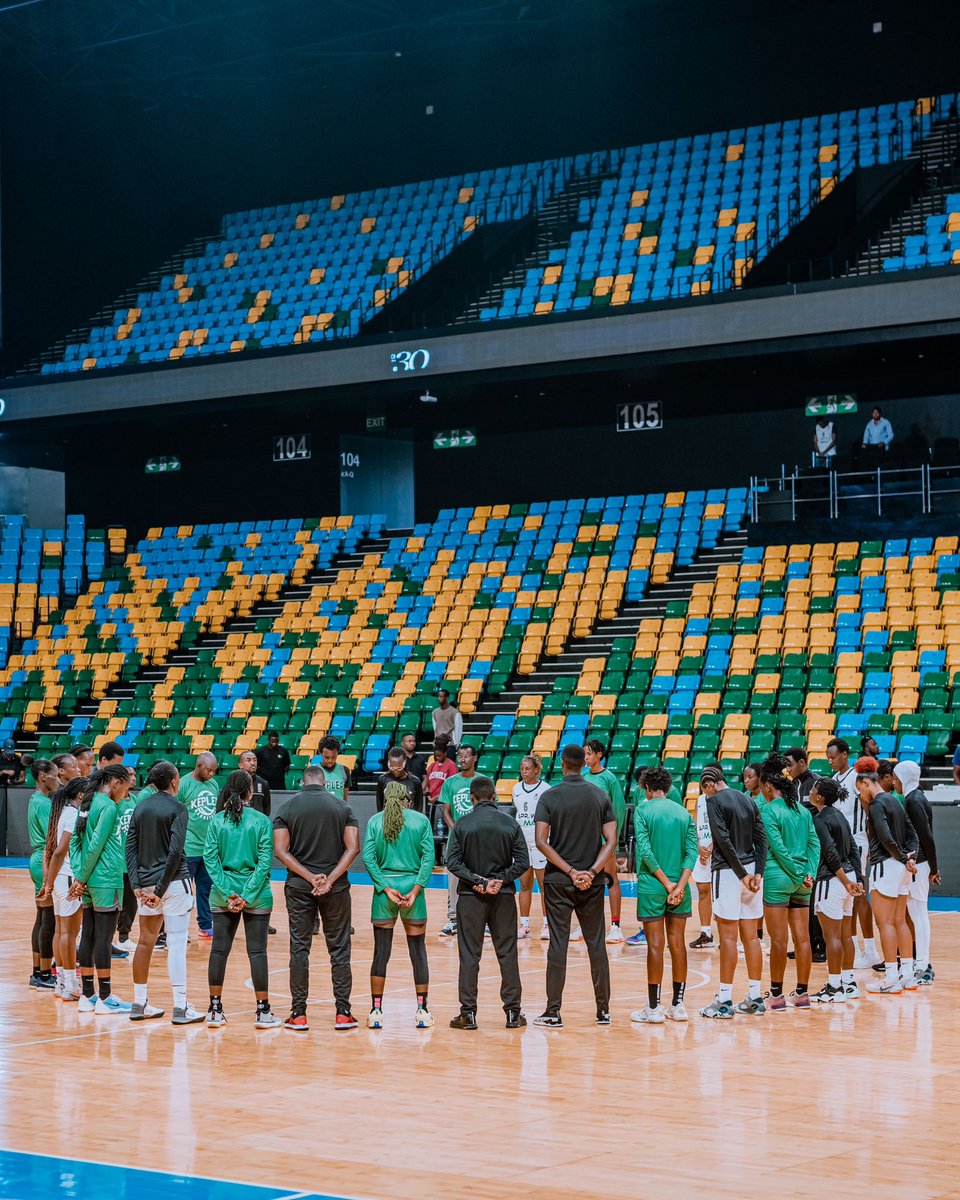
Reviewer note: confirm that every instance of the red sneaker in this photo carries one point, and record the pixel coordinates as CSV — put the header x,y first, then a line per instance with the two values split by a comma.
x,y
344,1021
204,936
299,1024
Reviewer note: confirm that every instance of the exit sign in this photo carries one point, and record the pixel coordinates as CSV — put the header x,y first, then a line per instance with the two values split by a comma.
x,y
829,406
454,439
376,422
159,466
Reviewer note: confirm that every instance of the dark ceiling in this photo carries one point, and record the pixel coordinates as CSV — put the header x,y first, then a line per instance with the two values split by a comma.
x,y
129,127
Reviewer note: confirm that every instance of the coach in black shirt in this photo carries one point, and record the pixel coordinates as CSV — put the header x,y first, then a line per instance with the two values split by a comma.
x,y
576,831
317,838
399,772
273,761
416,763
487,852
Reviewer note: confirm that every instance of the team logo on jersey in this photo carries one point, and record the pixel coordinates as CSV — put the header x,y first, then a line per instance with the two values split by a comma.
x,y
123,824
205,805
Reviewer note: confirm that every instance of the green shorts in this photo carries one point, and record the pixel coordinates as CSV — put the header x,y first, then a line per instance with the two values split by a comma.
x,y
383,909
652,901
36,870
104,899
779,891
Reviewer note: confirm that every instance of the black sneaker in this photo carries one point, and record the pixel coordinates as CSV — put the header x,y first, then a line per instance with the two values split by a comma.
x,y
116,952
549,1021
791,954
466,1020
515,1019
603,1016
819,956
270,929
703,942
316,927
161,942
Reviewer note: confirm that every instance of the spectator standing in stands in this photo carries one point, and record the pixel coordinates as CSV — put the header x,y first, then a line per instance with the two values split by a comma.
x,y
869,747
447,719
824,441
317,838
11,764
416,763
84,756
398,771
576,833
273,761
199,791
110,753
879,432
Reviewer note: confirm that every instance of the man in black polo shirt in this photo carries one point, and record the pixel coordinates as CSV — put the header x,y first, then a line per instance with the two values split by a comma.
x,y
317,838
273,761
487,852
260,800
398,772
416,763
576,831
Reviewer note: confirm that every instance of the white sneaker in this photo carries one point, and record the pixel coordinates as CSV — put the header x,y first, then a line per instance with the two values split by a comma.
x,y
375,1019
58,989
128,945
649,1016
87,1003
69,995
677,1012
614,936
851,991
544,932
523,932
576,935
864,961
424,1019
113,1006
765,948
144,1012
267,1020
885,987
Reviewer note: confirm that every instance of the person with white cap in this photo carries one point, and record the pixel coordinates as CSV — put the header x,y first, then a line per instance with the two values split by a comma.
x,y
920,812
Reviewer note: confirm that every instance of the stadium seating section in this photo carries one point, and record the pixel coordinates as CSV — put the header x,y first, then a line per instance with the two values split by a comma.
x,y
672,219
937,246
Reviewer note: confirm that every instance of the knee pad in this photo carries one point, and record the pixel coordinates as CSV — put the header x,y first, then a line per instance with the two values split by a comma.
x,y
382,947
417,949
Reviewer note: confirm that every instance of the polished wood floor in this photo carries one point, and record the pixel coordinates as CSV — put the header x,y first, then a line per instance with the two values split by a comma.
x,y
789,1104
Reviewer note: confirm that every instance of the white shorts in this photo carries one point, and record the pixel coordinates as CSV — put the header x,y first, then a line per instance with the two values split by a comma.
x,y
832,900
918,886
864,847
176,901
62,907
732,901
537,860
890,878
701,871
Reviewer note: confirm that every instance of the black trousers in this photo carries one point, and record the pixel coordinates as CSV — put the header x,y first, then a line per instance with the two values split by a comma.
x,y
474,914
817,943
562,900
303,907
128,910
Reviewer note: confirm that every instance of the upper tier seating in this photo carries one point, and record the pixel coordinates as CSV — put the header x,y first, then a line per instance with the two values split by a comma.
x,y
937,246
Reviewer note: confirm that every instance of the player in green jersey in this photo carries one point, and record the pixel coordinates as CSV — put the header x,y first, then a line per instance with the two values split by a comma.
x,y
602,777
38,819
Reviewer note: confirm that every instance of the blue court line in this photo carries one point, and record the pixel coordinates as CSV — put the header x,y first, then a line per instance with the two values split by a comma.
x,y
439,883
25,1176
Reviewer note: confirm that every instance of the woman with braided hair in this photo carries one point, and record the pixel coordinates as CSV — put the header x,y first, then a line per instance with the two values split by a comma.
x,y
96,863
398,854
38,819
57,881
792,862
238,855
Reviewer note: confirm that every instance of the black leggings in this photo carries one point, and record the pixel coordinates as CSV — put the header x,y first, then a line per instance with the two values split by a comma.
x,y
96,939
225,925
41,936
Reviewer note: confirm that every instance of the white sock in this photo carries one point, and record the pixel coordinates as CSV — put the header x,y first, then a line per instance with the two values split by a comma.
x,y
706,931
753,988
920,916
177,927
525,921
139,993
70,979
870,947
834,981
892,974
906,968
545,922
726,992
847,976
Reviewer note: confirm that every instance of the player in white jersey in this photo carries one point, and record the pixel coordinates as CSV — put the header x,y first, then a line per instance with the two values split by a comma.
x,y
526,793
838,752
57,881
702,877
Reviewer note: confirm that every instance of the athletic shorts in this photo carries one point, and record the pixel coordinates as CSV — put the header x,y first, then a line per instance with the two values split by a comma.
x,y
537,860
832,900
701,871
864,847
36,870
176,901
732,901
918,886
652,901
383,909
890,878
62,907
103,899
779,890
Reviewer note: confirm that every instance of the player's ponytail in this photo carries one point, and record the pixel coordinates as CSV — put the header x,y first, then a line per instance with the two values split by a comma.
x,y
774,772
94,783
58,802
396,798
237,790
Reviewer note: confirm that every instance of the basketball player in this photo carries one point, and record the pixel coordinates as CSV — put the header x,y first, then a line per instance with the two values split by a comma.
x,y
838,752
703,877
739,858
920,814
398,855
198,791
336,777
666,853
836,885
38,822
160,879
595,752
792,861
893,851
455,803
238,857
526,793
57,881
